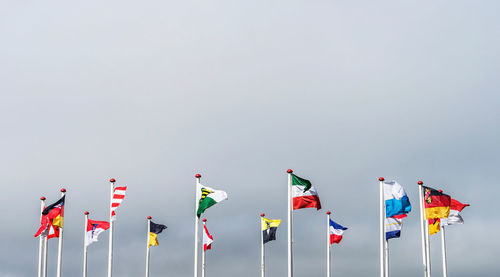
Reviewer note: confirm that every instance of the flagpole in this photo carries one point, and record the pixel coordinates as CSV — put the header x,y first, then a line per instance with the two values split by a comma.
x,y
85,244
382,228
443,252
422,225
290,218
45,248
111,223
61,229
262,259
386,262
147,246
196,225
203,254
428,248
40,243
328,247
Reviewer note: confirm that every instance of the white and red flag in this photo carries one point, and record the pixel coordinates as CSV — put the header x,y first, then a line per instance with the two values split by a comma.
x,y
94,228
118,196
304,194
207,239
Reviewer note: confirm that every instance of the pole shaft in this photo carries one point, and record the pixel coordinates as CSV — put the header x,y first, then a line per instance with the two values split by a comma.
x,y
45,248
443,251
422,227
290,218
328,248
196,227
382,230
148,248
40,242
203,257
386,258
262,258
60,246
111,224
427,248
85,246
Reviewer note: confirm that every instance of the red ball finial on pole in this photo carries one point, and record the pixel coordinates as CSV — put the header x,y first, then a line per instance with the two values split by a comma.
x,y
289,171
86,213
149,217
63,190
112,180
42,198
328,213
262,215
381,179
204,220
420,182
197,175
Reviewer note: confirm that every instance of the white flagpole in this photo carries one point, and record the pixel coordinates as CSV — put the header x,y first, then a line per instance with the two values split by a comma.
x,y
290,218
45,249
328,247
196,224
203,262
147,247
443,251
262,259
111,223
428,248
382,228
422,224
85,244
386,253
59,249
40,243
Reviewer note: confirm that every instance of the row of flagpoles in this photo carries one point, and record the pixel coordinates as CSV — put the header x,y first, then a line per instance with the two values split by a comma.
x,y
436,210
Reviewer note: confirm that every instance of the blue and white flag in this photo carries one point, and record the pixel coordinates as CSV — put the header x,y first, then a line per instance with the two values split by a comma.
x,y
393,227
336,232
396,200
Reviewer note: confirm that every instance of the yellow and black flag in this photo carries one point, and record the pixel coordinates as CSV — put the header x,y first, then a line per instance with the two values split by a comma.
x,y
154,230
269,227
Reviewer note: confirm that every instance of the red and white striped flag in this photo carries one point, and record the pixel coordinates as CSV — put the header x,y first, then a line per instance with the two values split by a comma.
x,y
207,239
118,196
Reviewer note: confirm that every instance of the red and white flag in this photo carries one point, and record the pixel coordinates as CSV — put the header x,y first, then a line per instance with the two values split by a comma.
x,y
207,239
118,196
94,228
47,229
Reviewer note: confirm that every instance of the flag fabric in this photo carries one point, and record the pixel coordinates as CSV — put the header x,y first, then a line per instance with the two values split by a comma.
x,y
94,228
55,212
154,230
207,239
304,194
454,218
434,226
396,200
393,227
336,232
437,204
209,197
47,229
269,227
118,196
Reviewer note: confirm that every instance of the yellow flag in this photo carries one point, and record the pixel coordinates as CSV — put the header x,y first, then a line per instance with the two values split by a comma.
x,y
153,240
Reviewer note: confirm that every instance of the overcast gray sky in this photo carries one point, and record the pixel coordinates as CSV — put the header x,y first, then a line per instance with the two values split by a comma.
x,y
343,92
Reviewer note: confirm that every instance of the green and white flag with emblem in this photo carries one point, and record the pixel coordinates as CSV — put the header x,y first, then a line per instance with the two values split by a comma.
x,y
208,197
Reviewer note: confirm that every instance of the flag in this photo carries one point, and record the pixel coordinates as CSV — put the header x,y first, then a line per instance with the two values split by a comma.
x,y
209,197
304,194
269,227
55,212
393,227
154,230
437,204
434,226
47,229
94,228
396,200
454,218
207,239
336,232
118,196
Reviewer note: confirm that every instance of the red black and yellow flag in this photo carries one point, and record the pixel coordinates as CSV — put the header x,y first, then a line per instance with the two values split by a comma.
x,y
437,204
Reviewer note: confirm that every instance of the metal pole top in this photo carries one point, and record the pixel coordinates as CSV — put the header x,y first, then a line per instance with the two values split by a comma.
x,y
197,175
328,213
381,179
204,220
420,182
289,171
112,180
86,213
149,218
262,215
63,190
42,198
